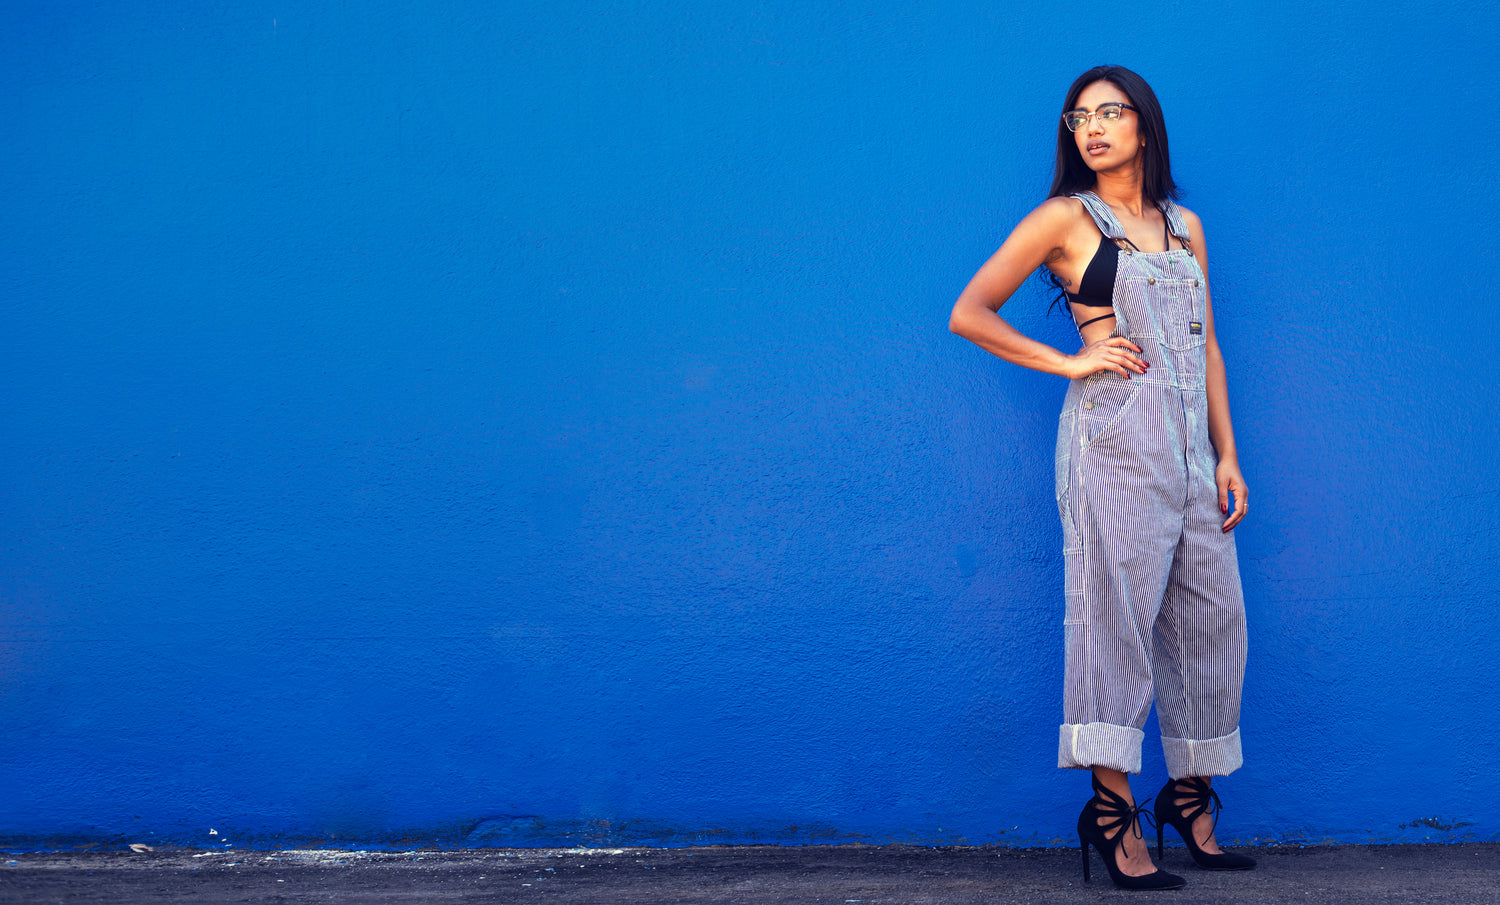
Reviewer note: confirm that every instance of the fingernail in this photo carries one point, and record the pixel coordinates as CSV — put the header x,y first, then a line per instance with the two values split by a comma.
x,y
1224,508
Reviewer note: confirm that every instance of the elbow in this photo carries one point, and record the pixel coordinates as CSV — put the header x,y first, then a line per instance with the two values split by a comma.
x,y
958,322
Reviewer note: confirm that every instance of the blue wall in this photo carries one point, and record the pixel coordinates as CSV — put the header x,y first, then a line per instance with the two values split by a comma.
x,y
496,424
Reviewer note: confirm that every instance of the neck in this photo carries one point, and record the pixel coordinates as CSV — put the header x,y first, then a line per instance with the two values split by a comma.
x,y
1122,188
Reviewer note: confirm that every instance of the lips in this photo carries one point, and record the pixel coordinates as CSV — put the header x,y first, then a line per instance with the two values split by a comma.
x,y
1096,148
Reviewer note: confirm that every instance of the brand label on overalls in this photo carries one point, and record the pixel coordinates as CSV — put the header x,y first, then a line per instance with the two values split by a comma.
x,y
1195,327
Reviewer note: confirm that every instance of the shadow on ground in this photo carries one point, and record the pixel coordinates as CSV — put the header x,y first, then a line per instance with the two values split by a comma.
x,y
839,875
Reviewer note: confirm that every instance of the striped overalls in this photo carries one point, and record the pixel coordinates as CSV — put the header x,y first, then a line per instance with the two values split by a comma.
x,y
1152,584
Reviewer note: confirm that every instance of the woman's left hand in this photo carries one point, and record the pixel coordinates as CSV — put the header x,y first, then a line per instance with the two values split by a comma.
x,y
1229,479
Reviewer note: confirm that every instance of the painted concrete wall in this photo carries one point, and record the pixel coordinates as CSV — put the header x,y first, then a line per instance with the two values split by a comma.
x,y
517,424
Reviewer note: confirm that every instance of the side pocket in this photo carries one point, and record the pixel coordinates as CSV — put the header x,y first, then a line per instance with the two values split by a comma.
x,y
1104,406
1062,460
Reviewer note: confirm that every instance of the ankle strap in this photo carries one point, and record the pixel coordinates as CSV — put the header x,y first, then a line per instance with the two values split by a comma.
x,y
1116,811
1201,799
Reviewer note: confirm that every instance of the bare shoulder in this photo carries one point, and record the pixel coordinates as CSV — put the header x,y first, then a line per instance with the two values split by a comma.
x,y
1055,223
1059,211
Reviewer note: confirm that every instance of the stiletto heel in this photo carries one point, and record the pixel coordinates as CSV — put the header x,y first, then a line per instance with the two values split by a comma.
x,y
1200,799
1119,818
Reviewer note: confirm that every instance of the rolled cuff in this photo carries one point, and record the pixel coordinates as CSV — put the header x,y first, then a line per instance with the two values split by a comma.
x,y
1082,746
1203,757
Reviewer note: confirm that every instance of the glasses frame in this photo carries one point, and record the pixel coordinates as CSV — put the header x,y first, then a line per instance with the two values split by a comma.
x,y
1088,115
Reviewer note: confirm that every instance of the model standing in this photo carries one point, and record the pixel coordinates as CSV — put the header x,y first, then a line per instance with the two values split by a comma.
x,y
1148,481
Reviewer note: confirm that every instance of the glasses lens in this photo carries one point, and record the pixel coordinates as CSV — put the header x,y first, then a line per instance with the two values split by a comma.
x,y
1109,112
1074,120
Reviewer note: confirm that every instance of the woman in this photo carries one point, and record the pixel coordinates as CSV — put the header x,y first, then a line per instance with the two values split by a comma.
x,y
1148,483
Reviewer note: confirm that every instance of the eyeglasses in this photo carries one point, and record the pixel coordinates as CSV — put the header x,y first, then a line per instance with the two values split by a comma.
x,y
1107,113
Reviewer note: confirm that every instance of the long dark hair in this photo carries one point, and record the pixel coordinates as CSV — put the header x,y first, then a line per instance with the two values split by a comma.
x,y
1070,174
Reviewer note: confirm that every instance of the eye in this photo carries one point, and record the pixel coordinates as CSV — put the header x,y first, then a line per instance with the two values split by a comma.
x,y
1109,111
1075,119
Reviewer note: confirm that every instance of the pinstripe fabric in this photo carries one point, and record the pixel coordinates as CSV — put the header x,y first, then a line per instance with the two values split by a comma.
x,y
1153,602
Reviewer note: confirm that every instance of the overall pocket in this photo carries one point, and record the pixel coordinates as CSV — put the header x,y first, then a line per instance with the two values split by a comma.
x,y
1106,400
1180,308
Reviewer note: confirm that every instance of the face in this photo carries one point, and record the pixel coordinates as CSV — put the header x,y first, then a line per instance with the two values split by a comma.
x,y
1107,145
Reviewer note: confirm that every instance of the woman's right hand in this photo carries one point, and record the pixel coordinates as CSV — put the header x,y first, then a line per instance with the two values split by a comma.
x,y
1115,353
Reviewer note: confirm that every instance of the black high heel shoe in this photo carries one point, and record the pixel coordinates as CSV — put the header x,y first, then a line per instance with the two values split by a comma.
x,y
1201,799
1119,818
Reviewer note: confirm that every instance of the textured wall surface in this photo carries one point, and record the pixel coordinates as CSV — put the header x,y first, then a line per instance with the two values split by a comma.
x,y
536,424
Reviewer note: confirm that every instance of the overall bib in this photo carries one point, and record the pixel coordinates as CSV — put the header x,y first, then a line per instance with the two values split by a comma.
x,y
1154,607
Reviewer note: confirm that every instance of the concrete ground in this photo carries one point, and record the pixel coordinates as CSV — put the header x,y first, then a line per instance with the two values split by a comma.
x,y
839,875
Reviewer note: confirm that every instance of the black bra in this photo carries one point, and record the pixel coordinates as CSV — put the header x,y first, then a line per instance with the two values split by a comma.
x,y
1097,288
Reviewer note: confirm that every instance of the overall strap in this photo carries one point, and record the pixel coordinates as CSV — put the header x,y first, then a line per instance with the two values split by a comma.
x,y
1175,221
1104,218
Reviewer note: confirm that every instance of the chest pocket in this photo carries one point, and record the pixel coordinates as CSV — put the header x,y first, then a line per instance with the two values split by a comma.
x,y
1177,306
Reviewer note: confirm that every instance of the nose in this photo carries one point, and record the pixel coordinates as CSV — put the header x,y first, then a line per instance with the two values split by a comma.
x,y
1095,123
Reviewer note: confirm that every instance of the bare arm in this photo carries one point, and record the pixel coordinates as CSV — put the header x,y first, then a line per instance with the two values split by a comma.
x,y
1220,429
1042,237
